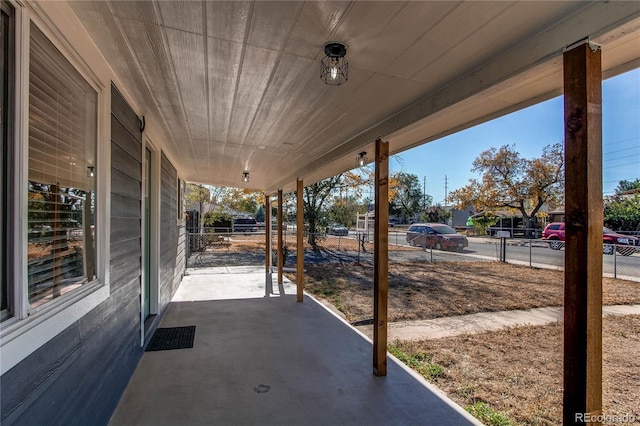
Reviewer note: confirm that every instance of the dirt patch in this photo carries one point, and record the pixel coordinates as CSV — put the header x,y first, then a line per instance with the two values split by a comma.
x,y
518,371
419,290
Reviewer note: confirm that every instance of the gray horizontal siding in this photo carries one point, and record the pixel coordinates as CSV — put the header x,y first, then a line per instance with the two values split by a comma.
x,y
170,272
78,376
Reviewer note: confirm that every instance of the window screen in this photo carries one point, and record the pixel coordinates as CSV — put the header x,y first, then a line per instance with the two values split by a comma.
x,y
62,144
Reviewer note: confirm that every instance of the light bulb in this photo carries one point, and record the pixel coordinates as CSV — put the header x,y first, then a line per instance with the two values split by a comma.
x,y
334,73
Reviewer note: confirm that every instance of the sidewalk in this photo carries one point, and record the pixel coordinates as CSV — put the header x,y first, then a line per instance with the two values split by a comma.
x,y
482,322
522,242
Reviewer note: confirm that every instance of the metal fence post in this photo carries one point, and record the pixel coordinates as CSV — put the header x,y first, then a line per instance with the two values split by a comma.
x,y
615,262
530,250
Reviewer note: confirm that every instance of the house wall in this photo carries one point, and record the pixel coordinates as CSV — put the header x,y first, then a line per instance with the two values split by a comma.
x,y
79,375
69,364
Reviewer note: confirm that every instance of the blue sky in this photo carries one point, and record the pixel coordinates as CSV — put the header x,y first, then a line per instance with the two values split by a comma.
x,y
530,130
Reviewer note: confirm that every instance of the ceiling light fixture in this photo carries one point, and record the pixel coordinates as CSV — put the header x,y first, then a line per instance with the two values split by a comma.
x,y
90,172
362,159
245,176
334,68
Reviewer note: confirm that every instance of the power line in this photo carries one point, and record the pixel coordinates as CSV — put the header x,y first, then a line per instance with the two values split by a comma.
x,y
623,141
620,165
621,158
621,150
618,180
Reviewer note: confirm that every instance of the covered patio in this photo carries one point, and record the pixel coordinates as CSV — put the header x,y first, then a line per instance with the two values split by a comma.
x,y
271,361
228,94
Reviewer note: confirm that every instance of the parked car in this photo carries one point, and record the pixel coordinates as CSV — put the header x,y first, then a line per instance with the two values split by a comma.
x,y
625,244
554,233
245,224
436,235
336,229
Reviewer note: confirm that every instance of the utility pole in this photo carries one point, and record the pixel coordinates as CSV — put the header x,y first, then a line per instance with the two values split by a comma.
x,y
446,190
424,193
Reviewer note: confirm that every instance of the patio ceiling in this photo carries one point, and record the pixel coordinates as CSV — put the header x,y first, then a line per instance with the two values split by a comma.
x,y
235,85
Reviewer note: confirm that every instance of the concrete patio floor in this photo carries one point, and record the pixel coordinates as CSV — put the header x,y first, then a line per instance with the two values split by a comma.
x,y
271,361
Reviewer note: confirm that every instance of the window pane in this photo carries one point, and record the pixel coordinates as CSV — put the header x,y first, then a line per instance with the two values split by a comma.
x,y
62,141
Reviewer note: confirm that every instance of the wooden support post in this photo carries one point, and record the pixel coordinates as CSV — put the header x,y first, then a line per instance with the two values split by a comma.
x,y
280,243
300,242
381,259
583,246
268,289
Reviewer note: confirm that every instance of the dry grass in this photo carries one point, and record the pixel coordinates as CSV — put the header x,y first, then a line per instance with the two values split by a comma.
x,y
518,371
432,290
514,374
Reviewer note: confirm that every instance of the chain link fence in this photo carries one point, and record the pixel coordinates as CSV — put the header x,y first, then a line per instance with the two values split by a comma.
x,y
618,261
211,247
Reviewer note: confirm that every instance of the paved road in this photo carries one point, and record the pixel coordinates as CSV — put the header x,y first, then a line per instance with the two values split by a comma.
x,y
543,255
537,255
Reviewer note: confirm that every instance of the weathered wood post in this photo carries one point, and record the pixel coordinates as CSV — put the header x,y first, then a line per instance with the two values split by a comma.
x,y
583,246
381,259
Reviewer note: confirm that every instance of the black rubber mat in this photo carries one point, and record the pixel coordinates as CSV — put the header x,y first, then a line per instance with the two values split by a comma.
x,y
165,339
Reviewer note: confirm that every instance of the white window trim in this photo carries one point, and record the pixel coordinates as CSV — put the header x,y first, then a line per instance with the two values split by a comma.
x,y
154,224
27,331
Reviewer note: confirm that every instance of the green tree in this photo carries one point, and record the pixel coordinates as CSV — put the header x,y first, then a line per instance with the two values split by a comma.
x,y
317,201
407,198
260,214
626,186
199,195
217,220
244,200
314,199
512,182
343,211
623,215
482,222
435,214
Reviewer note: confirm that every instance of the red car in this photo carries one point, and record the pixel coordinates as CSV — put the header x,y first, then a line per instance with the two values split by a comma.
x,y
626,244
436,235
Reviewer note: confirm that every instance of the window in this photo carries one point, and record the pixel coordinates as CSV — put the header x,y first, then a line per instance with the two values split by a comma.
x,y
49,205
62,169
6,155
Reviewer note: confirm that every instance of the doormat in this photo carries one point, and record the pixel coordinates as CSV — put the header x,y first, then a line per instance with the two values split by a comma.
x,y
165,339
